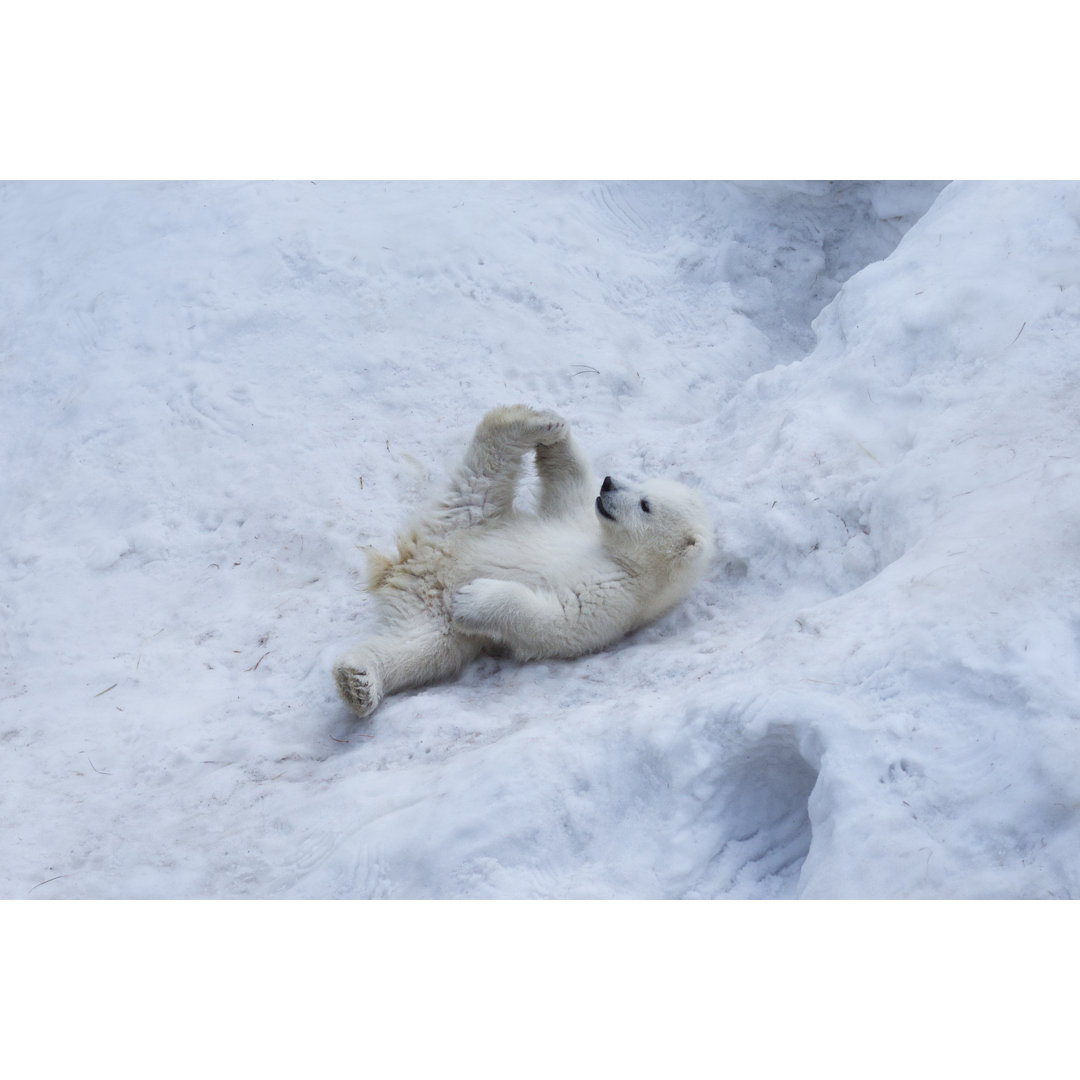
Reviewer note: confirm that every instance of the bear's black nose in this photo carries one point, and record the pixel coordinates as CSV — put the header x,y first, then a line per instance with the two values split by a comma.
x,y
608,484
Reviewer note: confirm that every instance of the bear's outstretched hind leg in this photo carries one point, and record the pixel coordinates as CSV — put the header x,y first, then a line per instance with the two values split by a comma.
x,y
380,666
484,484
358,682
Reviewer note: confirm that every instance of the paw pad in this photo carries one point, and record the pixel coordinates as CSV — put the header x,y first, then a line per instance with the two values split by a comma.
x,y
357,689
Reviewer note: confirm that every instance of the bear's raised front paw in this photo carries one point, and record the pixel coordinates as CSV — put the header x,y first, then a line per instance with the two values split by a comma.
x,y
359,689
552,430
526,426
548,428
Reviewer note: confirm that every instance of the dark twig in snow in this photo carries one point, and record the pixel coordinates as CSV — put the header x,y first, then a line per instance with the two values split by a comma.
x,y
46,882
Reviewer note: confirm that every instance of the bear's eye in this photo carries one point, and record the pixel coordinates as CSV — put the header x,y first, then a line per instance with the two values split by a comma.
x,y
645,506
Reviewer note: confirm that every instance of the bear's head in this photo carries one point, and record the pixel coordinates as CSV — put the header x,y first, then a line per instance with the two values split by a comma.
x,y
660,532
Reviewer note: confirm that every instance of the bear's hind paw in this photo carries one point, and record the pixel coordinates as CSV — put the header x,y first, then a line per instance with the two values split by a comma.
x,y
358,689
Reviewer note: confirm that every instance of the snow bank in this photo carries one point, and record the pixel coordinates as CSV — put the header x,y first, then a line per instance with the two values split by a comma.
x,y
928,464
214,393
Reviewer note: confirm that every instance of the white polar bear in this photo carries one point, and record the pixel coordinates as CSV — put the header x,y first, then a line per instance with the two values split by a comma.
x,y
477,575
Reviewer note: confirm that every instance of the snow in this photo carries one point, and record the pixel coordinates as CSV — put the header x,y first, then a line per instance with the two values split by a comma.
x,y
215,394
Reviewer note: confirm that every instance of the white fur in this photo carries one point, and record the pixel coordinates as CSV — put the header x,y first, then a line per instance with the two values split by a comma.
x,y
476,575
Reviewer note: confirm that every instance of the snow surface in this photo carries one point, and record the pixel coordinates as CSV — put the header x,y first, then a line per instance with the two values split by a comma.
x,y
214,394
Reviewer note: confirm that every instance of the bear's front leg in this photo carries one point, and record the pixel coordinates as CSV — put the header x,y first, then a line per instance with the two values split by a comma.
x,y
483,486
534,624
521,427
511,614
488,605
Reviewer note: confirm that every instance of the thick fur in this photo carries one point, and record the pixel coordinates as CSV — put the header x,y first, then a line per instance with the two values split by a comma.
x,y
476,575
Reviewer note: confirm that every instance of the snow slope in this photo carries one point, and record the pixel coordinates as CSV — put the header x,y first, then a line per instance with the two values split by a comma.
x,y
213,394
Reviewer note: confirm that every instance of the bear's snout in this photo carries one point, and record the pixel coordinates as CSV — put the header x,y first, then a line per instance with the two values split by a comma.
x,y
608,484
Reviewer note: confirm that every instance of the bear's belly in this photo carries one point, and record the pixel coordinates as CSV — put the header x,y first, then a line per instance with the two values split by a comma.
x,y
542,555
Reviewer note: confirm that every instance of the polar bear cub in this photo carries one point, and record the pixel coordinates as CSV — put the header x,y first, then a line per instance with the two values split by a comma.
x,y
477,575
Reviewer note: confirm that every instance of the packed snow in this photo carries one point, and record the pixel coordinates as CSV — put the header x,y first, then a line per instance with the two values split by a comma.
x,y
215,395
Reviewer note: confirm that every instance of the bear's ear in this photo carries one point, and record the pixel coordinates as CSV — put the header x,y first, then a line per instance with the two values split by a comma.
x,y
693,545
